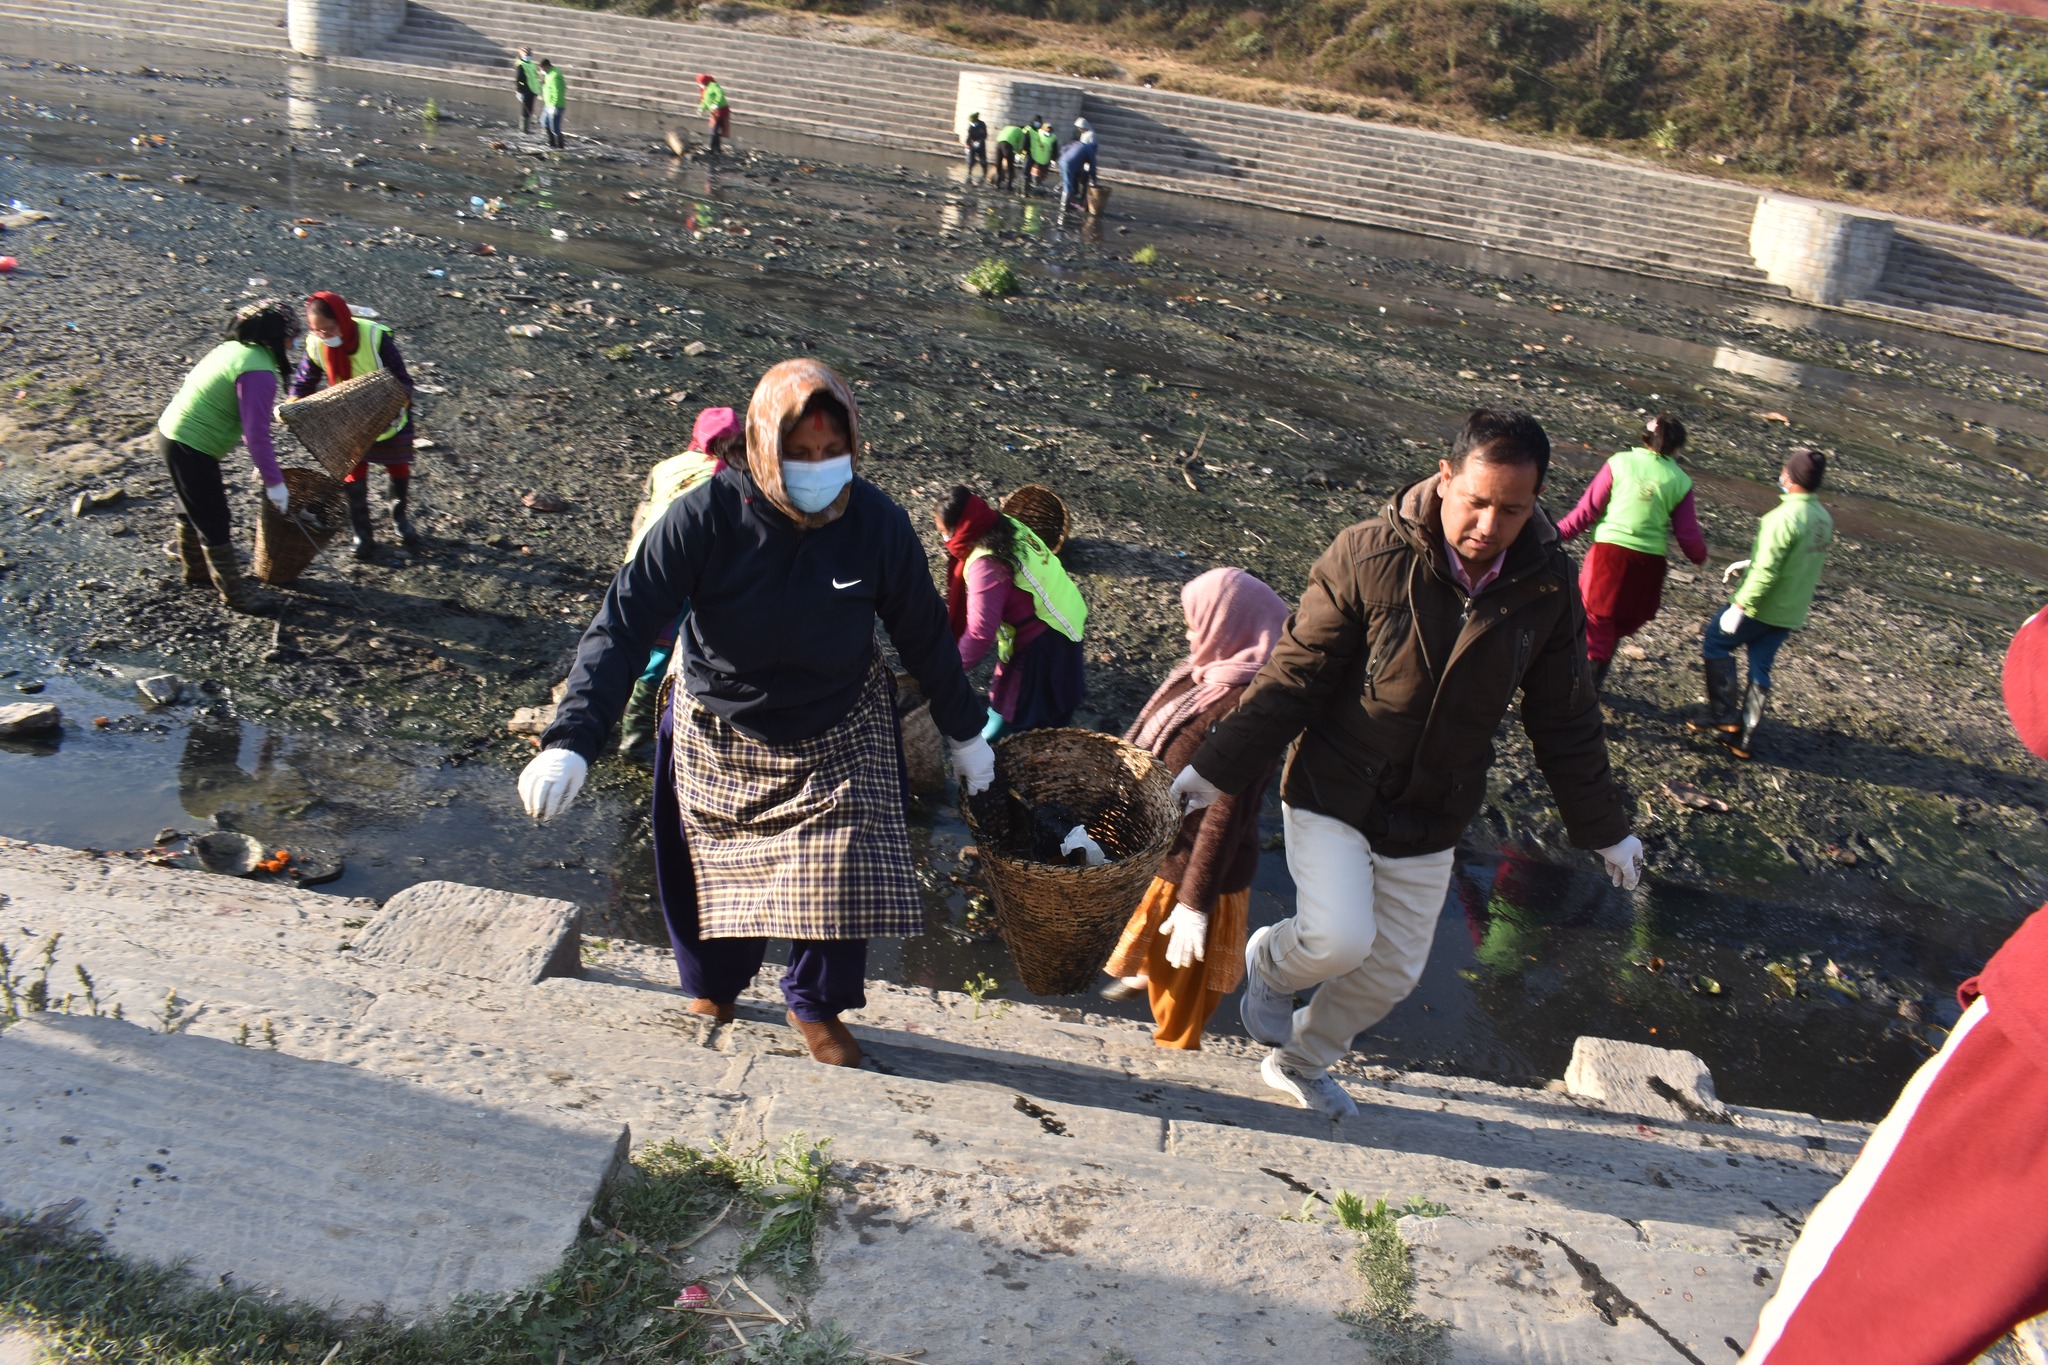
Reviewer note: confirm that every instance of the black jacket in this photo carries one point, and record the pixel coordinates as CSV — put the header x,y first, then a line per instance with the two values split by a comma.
x,y
781,631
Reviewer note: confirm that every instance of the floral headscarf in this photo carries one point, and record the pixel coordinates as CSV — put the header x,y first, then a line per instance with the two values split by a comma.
x,y
778,401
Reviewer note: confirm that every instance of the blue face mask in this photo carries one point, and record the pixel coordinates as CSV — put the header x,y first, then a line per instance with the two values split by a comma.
x,y
813,484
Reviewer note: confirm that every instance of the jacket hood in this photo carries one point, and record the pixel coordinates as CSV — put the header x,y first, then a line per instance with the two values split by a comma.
x,y
778,401
1415,513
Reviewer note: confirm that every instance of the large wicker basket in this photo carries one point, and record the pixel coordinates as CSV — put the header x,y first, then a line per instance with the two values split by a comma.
x,y
1061,922
339,424
1041,509
923,752
286,542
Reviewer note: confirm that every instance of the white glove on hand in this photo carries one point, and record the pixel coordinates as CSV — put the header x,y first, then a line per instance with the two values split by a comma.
x,y
1625,862
280,496
1187,934
1195,791
1730,620
1733,569
551,782
974,763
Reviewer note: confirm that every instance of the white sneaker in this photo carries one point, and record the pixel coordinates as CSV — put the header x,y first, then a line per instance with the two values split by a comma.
x,y
1309,1089
1268,1014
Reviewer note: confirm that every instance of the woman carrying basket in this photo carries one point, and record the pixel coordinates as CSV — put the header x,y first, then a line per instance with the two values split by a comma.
x,y
1185,942
1637,498
227,397
340,345
779,788
1005,590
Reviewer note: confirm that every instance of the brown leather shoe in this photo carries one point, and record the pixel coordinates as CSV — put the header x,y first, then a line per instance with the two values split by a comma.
x,y
830,1042
712,1010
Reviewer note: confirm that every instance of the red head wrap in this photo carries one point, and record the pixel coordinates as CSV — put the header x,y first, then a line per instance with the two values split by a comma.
x,y
975,522
335,359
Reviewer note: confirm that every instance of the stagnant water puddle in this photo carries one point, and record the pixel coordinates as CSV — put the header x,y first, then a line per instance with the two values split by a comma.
x,y
1819,997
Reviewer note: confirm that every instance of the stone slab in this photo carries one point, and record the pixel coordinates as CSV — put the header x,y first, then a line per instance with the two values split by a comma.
x,y
474,931
988,1271
326,1183
22,719
1635,1078
1517,1295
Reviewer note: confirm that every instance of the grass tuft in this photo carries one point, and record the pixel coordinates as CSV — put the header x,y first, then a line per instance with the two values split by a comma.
x,y
992,279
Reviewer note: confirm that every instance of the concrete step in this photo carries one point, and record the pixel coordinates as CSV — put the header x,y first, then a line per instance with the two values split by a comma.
x,y
1024,1129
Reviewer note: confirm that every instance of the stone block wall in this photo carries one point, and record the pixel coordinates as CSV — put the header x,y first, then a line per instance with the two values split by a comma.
x,y
342,28
1822,253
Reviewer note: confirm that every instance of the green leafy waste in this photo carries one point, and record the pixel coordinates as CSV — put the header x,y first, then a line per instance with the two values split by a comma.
x,y
992,279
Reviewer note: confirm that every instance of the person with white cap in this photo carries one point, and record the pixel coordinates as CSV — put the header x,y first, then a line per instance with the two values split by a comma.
x,y
1077,168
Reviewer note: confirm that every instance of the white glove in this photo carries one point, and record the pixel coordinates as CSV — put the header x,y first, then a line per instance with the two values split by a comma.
x,y
1195,791
974,763
551,782
280,496
1730,620
1188,934
1733,569
1625,862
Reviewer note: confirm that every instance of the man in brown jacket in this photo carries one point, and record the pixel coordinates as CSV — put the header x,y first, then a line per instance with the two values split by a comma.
x,y
1413,635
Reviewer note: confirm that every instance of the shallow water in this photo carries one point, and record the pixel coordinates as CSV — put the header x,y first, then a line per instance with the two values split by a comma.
x,y
1530,952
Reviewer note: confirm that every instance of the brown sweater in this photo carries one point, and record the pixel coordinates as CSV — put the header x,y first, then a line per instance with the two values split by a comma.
x,y
1218,848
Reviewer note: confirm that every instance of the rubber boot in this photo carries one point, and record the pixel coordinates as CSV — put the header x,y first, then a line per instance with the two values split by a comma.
x,y
1724,698
830,1042
401,524
1753,702
239,594
365,544
190,551
637,726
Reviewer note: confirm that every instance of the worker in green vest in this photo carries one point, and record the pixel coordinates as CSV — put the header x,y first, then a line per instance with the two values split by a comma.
x,y
341,345
1010,140
1775,595
1637,500
711,103
1005,590
525,80
227,397
1044,142
553,95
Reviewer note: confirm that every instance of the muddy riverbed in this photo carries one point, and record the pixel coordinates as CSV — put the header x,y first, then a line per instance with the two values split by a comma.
x,y
1806,942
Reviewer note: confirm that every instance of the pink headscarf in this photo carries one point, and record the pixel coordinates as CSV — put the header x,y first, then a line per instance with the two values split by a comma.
x,y
713,423
1234,620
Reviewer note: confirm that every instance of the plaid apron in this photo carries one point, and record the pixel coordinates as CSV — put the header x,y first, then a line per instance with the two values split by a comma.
x,y
802,841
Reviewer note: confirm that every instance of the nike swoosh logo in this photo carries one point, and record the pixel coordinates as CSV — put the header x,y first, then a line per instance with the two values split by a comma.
x,y
849,583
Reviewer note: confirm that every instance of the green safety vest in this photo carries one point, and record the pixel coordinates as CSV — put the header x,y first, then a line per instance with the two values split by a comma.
x,y
1042,143
666,482
713,97
369,337
551,89
1053,594
529,76
205,414
1013,135
1791,548
1647,488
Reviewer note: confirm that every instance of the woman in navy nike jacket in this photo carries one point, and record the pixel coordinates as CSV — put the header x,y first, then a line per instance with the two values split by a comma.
x,y
779,790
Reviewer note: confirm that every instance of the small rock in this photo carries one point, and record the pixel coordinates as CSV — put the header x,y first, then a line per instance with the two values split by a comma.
x,y
161,690
1691,797
94,499
542,501
523,329
695,348
1635,1078
1634,652
1317,478
29,686
29,718
531,720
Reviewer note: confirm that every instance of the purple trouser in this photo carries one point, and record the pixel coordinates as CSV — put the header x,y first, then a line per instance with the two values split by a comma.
x,y
825,976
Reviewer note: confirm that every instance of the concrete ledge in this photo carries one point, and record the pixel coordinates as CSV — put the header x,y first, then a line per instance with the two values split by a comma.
x,y
326,1182
1822,253
473,931
341,28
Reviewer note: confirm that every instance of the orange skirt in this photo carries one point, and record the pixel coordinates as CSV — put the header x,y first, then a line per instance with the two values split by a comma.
x,y
1183,998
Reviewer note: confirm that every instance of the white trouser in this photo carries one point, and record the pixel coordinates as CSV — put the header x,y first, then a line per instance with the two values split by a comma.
x,y
1361,932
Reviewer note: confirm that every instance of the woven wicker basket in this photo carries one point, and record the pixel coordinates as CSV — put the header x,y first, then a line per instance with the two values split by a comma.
x,y
923,750
1061,922
339,424
286,542
1041,509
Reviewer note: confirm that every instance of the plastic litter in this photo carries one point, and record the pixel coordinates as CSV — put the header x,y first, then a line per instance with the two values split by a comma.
x,y
523,329
559,234
1077,838
7,264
